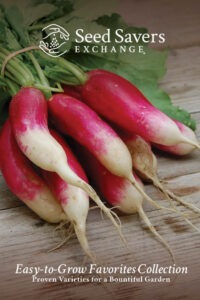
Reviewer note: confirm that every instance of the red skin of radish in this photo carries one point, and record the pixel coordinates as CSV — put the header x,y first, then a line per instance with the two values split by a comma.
x,y
182,148
28,115
74,201
24,182
116,190
54,181
73,91
120,102
76,119
143,159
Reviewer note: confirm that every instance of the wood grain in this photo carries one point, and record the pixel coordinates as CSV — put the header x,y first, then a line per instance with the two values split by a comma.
x,y
183,77
178,19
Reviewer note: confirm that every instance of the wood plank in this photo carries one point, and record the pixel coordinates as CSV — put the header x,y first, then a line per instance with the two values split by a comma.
x,y
20,225
179,20
182,79
8,200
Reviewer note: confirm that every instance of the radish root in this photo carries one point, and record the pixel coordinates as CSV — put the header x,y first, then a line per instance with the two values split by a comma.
x,y
170,195
184,203
71,178
81,235
144,217
115,215
146,197
110,214
68,234
191,224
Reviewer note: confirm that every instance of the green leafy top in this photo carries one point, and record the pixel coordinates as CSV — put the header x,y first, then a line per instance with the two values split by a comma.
x,y
21,24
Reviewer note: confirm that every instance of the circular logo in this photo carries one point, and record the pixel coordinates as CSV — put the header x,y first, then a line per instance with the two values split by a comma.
x,y
54,41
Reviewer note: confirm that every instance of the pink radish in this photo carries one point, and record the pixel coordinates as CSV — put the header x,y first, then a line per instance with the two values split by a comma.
x,y
76,119
73,91
24,182
118,191
28,114
120,102
74,201
181,148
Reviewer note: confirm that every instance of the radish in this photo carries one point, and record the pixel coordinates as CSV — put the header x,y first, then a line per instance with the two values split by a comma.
x,y
181,148
119,101
73,91
28,114
24,182
76,119
74,201
118,191
145,163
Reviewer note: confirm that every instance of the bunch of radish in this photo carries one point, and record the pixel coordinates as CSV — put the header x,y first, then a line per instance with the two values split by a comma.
x,y
112,126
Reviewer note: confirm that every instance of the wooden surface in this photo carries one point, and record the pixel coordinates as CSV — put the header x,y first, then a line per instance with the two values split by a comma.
x,y
25,239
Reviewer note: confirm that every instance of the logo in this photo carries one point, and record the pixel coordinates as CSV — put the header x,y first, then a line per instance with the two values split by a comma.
x,y
54,41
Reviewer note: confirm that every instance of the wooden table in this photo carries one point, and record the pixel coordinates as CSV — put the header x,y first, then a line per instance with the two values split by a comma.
x,y
25,239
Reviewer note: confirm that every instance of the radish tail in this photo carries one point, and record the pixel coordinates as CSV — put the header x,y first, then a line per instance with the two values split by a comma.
x,y
184,203
170,195
144,217
146,197
158,185
81,235
188,141
68,234
191,224
110,214
70,177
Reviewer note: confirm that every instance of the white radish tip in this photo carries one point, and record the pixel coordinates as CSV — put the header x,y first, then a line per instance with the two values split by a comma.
x,y
188,141
81,236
